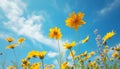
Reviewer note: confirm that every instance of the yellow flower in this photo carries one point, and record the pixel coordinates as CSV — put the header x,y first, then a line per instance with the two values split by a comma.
x,y
97,59
85,53
118,57
92,53
69,45
106,50
36,54
115,54
42,54
64,65
35,65
111,59
88,56
117,48
85,40
106,47
9,39
25,62
93,64
81,60
75,20
72,53
51,66
11,67
108,36
21,40
55,33
32,54
12,46
24,66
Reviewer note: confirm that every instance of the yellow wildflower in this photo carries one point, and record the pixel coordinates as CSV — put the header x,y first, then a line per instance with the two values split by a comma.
x,y
108,36
117,48
81,60
9,39
12,46
42,54
72,53
85,40
64,65
25,62
21,40
55,33
92,53
24,66
115,54
85,53
69,45
35,65
36,54
75,20
97,59
111,59
92,64
32,54
51,66
11,67
118,57
106,50
87,57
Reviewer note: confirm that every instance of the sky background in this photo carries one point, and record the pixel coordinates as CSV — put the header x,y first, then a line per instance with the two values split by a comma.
x,y
32,20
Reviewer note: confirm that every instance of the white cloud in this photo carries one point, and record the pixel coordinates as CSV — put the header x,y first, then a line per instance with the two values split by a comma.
x,y
52,54
29,26
65,7
4,35
110,7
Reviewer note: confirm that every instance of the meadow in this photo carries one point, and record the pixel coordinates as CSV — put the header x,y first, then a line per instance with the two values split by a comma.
x,y
79,61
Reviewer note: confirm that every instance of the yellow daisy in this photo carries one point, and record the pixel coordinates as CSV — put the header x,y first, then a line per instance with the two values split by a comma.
x,y
21,40
108,36
12,46
69,45
75,20
9,39
35,65
115,54
55,33
85,40
42,54
64,65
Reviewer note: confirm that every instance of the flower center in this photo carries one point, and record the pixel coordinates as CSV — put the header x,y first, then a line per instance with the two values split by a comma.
x,y
55,33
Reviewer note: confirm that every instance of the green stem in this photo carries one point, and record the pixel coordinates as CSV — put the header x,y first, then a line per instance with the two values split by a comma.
x,y
59,53
42,63
15,58
77,41
73,57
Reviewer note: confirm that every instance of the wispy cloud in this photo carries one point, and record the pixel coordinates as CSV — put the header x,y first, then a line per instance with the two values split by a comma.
x,y
110,7
29,26
65,7
4,35
52,54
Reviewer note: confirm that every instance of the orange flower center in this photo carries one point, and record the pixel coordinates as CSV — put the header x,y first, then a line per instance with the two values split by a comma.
x,y
55,33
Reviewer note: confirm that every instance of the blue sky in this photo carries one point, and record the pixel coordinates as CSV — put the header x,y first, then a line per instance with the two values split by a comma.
x,y
32,20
